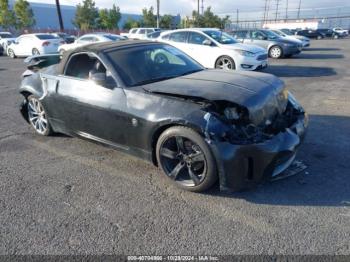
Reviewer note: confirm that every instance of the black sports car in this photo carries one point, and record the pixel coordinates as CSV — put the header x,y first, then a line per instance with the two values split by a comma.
x,y
153,101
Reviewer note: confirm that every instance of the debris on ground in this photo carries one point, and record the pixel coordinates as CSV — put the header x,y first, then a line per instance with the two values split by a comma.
x,y
295,168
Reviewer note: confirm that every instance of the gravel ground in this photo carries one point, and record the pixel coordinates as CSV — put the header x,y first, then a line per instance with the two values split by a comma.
x,y
62,195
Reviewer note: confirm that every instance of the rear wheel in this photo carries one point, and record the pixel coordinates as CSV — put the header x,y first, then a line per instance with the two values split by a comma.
x,y
319,37
275,52
37,117
225,62
11,53
35,51
186,159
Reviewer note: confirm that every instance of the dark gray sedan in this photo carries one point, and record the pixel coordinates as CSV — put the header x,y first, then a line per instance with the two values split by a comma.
x,y
276,45
153,101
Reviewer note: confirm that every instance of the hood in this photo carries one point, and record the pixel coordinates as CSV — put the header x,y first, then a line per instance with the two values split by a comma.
x,y
289,41
262,94
250,48
302,38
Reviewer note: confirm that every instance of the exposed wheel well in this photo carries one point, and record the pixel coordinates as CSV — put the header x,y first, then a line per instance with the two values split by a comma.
x,y
26,94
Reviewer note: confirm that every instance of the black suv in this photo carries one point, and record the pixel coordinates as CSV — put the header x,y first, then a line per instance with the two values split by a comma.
x,y
311,34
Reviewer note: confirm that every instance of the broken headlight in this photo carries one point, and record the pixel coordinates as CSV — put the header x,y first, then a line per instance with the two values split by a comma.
x,y
231,113
294,102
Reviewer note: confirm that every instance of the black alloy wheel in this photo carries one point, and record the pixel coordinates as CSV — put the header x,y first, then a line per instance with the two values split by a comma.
x,y
186,159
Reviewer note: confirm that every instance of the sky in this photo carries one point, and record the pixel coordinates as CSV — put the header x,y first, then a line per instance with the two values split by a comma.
x,y
185,7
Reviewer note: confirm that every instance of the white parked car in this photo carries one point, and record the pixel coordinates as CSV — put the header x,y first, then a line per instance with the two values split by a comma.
x,y
341,31
139,33
215,49
303,40
6,38
89,39
34,44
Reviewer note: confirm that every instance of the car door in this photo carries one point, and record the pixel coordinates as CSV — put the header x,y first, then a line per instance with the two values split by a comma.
x,y
23,46
179,40
259,38
86,108
199,50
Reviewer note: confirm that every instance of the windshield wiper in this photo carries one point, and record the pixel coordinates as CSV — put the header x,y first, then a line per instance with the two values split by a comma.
x,y
191,72
153,80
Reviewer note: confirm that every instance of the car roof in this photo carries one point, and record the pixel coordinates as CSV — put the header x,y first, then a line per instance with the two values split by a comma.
x,y
103,46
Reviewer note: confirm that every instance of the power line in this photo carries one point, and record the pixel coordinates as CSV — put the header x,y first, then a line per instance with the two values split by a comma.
x,y
286,10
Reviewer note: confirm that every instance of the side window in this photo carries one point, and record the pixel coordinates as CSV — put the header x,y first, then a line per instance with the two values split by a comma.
x,y
84,66
241,34
196,38
142,31
85,39
133,31
258,35
166,37
179,37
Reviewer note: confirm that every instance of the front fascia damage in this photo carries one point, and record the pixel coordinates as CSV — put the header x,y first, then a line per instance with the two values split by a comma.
x,y
247,154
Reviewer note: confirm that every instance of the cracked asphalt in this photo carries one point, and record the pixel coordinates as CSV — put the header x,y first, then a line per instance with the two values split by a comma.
x,y
62,195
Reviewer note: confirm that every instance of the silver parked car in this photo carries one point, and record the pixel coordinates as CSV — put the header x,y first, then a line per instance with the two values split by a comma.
x,y
276,46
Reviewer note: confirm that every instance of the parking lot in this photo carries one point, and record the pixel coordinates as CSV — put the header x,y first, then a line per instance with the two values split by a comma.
x,y
62,195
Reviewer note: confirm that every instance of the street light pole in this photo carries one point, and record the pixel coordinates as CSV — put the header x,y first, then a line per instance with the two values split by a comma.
x,y
58,7
158,13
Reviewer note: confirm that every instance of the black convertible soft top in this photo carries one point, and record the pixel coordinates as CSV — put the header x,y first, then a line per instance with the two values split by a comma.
x,y
102,47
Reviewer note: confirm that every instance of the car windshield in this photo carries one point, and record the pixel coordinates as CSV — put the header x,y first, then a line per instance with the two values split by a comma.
x,y
271,35
5,35
279,33
151,63
286,31
113,37
220,37
45,37
154,34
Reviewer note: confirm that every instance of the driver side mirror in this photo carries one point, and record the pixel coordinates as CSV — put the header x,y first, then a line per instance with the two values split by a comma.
x,y
207,42
98,78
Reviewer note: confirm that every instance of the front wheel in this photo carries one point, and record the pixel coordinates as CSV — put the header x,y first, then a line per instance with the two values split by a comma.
x,y
37,117
11,53
225,62
35,51
186,159
319,37
275,52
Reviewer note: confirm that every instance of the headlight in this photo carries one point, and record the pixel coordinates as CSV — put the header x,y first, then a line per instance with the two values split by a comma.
x,y
294,102
245,53
231,113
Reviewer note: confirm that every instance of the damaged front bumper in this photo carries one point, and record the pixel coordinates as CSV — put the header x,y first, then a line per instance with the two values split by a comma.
x,y
243,166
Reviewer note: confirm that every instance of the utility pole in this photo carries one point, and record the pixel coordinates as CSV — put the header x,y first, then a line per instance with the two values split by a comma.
x,y
286,9
237,21
268,10
277,6
198,7
265,8
58,7
158,13
202,7
299,9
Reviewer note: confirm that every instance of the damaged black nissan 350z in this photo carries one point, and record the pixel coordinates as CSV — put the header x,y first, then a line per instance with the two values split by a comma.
x,y
153,101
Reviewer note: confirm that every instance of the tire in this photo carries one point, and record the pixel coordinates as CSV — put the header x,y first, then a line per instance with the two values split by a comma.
x,y
186,159
11,53
37,117
335,36
275,52
35,51
319,37
225,62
